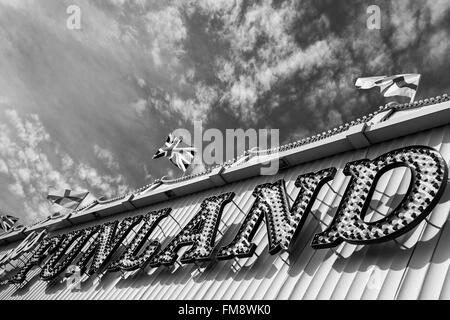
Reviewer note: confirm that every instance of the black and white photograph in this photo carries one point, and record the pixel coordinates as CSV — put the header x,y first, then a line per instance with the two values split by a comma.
x,y
220,156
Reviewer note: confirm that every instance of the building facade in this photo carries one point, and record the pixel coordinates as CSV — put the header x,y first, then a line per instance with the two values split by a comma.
x,y
358,212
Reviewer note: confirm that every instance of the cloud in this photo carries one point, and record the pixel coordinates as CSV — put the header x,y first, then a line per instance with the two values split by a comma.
x,y
291,58
32,161
439,45
17,189
139,107
66,162
107,157
141,83
438,9
3,167
197,108
165,30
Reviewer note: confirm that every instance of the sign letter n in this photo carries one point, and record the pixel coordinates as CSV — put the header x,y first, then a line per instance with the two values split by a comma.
x,y
428,181
283,221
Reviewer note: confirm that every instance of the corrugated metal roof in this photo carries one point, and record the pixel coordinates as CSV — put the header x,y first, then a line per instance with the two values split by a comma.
x,y
413,267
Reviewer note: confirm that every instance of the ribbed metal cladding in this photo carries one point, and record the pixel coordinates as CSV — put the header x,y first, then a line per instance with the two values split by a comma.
x,y
415,266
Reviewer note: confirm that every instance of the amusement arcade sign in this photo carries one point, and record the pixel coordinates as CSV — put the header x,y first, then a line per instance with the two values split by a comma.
x,y
92,249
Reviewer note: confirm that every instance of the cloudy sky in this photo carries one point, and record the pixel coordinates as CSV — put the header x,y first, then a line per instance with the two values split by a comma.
x,y
88,108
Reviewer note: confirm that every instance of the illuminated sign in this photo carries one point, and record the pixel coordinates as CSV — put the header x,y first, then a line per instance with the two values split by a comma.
x,y
28,244
94,250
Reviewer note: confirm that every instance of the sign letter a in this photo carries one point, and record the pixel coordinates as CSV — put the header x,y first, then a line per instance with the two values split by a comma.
x,y
199,234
